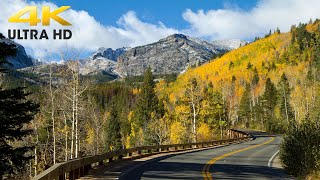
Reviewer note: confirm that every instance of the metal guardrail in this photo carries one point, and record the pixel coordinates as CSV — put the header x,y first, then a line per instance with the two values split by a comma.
x,y
74,169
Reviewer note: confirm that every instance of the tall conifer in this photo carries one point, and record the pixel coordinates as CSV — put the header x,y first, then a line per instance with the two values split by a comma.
x,y
15,113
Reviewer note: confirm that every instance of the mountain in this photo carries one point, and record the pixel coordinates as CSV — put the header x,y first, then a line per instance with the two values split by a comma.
x,y
21,59
173,54
109,53
38,62
104,60
99,66
229,44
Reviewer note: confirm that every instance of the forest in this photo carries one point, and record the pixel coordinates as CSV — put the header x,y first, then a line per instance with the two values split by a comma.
x,y
271,84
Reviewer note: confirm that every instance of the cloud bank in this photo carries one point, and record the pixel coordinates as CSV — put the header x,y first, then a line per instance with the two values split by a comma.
x,y
227,23
88,34
267,14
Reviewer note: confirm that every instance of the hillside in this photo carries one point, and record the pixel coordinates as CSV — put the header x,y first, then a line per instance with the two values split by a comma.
x,y
294,54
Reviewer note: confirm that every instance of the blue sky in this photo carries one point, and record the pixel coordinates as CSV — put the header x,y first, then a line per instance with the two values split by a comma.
x,y
167,11
130,23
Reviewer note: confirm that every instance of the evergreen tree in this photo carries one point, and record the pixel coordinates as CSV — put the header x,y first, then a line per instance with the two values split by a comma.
x,y
270,97
245,111
113,137
284,93
269,34
147,100
15,112
231,65
269,103
5,51
255,79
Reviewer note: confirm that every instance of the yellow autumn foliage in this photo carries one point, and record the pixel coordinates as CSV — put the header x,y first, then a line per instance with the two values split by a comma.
x,y
265,56
204,133
90,136
177,133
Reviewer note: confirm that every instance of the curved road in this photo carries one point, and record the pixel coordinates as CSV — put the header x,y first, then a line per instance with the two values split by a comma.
x,y
248,160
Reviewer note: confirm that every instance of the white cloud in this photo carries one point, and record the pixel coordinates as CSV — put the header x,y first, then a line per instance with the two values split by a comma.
x,y
227,23
235,23
88,34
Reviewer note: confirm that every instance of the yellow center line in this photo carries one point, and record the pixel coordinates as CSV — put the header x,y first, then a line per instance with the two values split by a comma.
x,y
206,169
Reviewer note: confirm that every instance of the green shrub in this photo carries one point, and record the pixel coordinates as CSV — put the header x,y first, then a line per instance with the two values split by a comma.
x,y
300,149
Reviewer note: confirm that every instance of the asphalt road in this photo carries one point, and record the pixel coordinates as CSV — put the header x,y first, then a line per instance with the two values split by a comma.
x,y
248,160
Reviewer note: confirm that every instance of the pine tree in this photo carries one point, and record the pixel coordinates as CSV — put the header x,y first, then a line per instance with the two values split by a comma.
x,y
285,91
269,102
113,137
147,100
270,97
15,112
255,79
231,65
245,109
5,51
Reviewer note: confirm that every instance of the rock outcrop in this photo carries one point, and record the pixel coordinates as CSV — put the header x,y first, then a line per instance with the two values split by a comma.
x,y
167,56
21,59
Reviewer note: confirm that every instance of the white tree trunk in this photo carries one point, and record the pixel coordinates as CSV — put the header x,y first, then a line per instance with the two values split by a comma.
x,y
76,128
73,123
52,116
194,123
66,136
36,154
285,103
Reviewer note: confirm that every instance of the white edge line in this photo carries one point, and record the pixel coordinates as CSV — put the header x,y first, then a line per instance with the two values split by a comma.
x,y
272,158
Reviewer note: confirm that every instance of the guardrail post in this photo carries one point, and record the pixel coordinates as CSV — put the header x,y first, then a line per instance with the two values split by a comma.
x,y
71,175
139,152
86,169
129,154
77,173
62,177
81,171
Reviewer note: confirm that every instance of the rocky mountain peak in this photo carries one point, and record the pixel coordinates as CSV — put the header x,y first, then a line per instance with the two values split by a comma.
x,y
104,59
172,54
21,59
229,43
108,53
175,37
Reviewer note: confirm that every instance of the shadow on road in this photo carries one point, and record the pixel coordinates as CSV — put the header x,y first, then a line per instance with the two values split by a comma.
x,y
190,165
175,170
240,171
